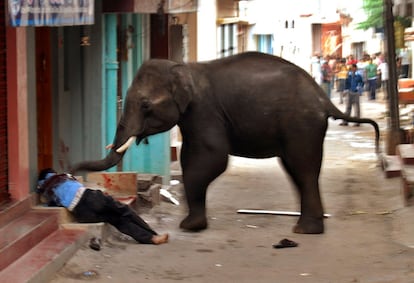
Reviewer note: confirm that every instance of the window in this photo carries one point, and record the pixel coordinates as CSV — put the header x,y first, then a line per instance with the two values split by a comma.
x,y
227,40
264,43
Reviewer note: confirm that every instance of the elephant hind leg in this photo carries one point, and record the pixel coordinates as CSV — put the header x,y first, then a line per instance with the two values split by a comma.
x,y
194,223
309,226
305,176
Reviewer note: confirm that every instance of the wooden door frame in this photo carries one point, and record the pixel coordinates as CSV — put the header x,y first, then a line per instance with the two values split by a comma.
x,y
44,98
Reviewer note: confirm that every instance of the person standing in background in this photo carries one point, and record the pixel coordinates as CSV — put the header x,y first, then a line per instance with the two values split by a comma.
x,y
354,85
371,74
316,68
405,63
383,69
341,75
332,62
326,77
351,60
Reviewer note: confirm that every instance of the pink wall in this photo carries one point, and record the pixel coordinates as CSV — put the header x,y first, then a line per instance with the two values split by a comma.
x,y
18,147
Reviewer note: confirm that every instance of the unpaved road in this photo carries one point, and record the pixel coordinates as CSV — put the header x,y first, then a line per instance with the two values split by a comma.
x,y
359,244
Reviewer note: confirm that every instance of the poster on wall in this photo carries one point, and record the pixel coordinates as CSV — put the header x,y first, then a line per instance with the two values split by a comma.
x,y
331,40
50,12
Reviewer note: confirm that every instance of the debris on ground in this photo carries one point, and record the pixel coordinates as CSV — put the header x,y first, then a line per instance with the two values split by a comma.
x,y
95,244
285,243
165,194
274,212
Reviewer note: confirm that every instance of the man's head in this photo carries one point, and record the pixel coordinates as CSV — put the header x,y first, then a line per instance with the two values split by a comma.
x,y
354,68
44,173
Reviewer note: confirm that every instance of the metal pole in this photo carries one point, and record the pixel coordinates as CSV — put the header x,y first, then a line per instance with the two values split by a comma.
x,y
394,133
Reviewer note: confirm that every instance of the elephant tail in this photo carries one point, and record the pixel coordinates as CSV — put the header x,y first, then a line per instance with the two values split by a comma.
x,y
335,113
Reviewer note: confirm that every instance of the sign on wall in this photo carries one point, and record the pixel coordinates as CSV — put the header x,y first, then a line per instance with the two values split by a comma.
x,y
50,12
149,6
399,35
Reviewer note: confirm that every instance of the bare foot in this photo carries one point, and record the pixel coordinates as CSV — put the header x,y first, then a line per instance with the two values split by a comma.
x,y
159,239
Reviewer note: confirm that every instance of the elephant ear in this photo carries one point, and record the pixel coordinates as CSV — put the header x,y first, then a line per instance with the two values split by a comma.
x,y
182,86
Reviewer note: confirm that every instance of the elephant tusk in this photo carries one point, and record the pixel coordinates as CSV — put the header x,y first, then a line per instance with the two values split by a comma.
x,y
125,146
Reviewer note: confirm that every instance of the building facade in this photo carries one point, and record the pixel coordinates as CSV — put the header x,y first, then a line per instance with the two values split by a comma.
x,y
64,85
63,88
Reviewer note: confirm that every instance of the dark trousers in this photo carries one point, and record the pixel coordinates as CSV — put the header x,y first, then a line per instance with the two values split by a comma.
x,y
341,89
94,206
404,71
384,85
372,88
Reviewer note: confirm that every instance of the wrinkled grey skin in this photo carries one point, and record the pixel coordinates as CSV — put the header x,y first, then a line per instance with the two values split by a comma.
x,y
251,105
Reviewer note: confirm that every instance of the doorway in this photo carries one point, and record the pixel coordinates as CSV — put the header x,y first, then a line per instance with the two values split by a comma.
x,y
44,98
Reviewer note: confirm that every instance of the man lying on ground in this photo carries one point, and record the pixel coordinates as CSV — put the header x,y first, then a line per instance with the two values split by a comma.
x,y
92,206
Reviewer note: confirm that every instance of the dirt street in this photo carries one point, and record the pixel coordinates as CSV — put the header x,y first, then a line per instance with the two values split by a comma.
x,y
361,242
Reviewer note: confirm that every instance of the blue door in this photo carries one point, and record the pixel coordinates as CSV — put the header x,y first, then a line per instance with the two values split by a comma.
x,y
129,34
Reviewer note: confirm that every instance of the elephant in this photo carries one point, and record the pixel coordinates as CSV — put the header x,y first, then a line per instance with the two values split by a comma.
x,y
251,105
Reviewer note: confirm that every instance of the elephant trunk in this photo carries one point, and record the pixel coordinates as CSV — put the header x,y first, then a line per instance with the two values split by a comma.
x,y
110,160
121,143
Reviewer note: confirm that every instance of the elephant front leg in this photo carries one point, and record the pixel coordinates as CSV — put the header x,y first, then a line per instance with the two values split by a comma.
x,y
196,188
196,219
199,170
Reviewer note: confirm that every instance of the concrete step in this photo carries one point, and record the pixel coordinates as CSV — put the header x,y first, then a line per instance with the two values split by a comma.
x,y
22,233
406,153
40,263
64,216
117,183
391,166
14,209
33,246
407,174
67,221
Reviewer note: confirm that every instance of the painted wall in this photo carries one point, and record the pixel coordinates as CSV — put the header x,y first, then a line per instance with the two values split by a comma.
x,y
17,115
190,21
32,115
206,30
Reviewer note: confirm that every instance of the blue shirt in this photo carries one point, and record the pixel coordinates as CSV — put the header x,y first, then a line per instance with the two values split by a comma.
x,y
354,82
65,192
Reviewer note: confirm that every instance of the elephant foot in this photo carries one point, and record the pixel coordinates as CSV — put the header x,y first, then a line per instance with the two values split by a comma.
x,y
309,226
194,224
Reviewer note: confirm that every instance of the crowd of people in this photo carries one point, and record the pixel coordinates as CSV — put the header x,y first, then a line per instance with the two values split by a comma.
x,y
331,73
351,78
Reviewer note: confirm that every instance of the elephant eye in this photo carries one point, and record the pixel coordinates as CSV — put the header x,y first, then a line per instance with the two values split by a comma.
x,y
145,106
